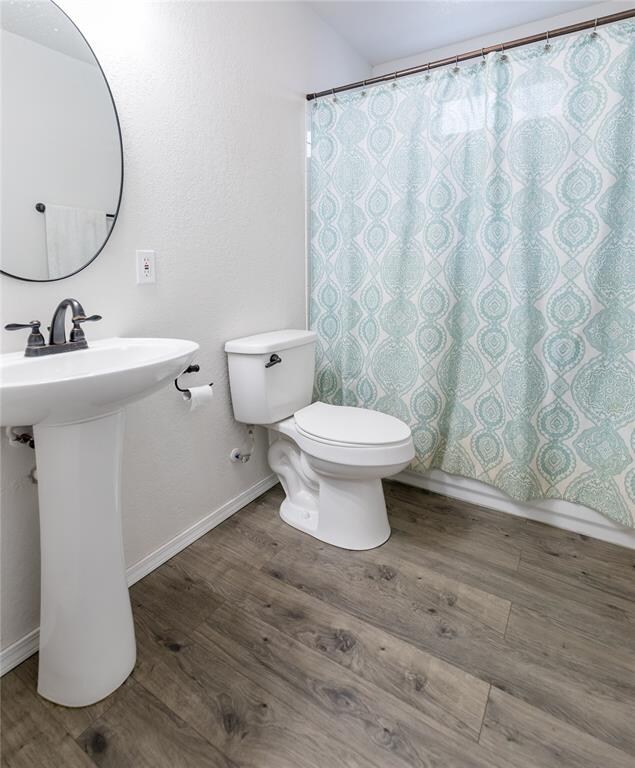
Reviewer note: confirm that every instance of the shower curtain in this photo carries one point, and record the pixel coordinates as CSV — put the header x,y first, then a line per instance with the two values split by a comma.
x,y
472,264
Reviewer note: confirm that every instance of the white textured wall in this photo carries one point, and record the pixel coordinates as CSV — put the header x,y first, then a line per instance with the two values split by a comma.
x,y
210,97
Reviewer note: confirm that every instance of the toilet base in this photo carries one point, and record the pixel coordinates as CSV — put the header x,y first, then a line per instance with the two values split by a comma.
x,y
342,506
351,516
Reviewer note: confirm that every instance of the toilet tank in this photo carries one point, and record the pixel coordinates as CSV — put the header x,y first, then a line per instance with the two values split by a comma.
x,y
263,390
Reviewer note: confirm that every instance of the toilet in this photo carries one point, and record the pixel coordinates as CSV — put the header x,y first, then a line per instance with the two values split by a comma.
x,y
330,459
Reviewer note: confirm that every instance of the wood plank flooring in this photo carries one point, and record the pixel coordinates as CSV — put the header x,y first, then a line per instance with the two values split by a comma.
x,y
471,638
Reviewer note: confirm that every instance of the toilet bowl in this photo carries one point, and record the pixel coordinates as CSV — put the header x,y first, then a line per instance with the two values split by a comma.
x,y
330,458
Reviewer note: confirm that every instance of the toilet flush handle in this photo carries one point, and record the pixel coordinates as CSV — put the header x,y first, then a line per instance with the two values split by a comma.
x,y
273,360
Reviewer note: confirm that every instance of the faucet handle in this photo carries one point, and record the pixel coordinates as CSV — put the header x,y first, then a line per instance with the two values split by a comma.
x,y
77,334
35,324
83,319
35,337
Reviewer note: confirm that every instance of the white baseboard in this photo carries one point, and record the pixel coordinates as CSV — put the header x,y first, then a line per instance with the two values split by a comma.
x,y
556,512
19,651
26,646
161,555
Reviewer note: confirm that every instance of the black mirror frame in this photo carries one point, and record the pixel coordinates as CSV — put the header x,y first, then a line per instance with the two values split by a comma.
x,y
116,214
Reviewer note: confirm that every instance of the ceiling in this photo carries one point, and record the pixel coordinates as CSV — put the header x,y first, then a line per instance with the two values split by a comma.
x,y
383,31
43,22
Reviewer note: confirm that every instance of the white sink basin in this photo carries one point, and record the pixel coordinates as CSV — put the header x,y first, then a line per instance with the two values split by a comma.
x,y
75,400
87,382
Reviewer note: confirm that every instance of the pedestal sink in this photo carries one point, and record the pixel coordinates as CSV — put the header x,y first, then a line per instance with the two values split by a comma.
x,y
75,403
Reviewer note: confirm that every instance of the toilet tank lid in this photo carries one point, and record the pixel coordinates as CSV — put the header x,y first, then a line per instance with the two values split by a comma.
x,y
273,341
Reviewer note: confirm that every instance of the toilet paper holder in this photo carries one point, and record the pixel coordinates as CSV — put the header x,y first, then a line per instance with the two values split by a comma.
x,y
194,368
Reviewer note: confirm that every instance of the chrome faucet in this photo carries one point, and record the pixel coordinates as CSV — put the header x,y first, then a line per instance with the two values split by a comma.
x,y
36,347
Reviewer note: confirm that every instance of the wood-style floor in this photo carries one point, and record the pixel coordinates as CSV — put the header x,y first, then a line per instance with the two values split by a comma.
x,y
471,638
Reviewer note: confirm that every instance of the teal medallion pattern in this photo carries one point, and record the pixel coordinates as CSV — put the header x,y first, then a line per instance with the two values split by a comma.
x,y
472,265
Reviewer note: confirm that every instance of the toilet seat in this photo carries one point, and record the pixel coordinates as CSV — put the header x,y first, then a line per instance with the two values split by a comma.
x,y
373,439
345,425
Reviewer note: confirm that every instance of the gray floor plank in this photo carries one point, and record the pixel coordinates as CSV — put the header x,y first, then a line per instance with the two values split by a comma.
x,y
372,721
74,720
461,641
530,736
564,647
183,600
138,731
420,679
470,638
587,610
613,577
31,737
483,534
249,713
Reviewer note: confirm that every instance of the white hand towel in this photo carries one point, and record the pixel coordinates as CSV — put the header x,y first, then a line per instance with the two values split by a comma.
x,y
73,237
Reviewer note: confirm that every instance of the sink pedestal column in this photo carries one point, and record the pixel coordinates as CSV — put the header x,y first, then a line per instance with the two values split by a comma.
x,y
87,644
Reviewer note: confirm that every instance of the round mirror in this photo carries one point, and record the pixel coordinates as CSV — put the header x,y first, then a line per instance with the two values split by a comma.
x,y
62,158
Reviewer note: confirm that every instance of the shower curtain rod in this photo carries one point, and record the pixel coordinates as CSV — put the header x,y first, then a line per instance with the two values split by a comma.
x,y
502,47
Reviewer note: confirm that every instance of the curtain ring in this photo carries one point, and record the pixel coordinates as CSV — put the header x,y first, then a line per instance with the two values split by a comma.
x,y
394,79
456,69
363,93
333,94
503,55
595,32
547,44
428,72
483,60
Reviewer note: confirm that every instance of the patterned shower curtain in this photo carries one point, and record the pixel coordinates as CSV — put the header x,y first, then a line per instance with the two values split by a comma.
x,y
472,265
